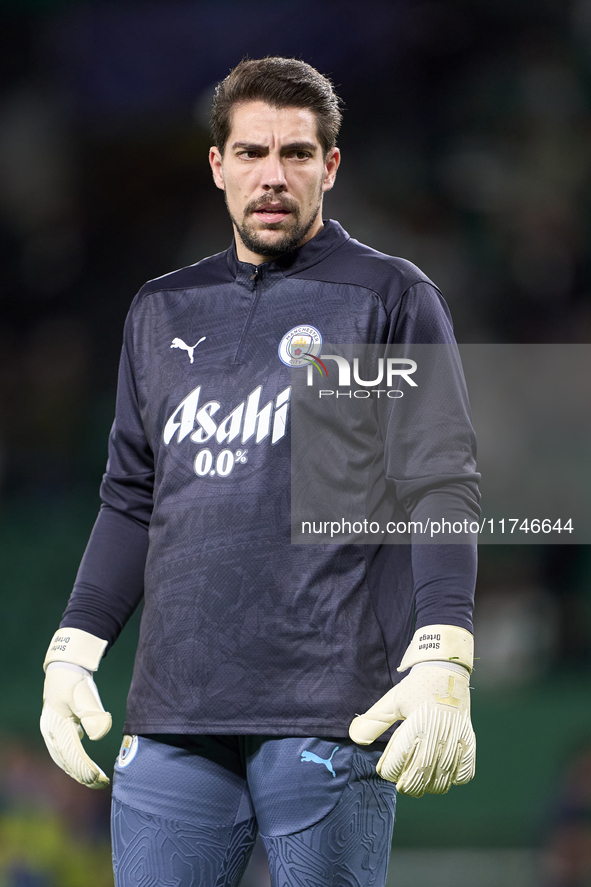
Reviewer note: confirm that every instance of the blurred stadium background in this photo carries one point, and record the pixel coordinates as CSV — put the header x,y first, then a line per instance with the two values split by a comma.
x,y
467,149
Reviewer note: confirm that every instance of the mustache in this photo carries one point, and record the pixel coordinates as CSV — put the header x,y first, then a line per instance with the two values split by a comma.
x,y
286,203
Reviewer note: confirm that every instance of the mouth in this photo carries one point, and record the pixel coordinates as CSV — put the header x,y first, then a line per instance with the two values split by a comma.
x,y
272,214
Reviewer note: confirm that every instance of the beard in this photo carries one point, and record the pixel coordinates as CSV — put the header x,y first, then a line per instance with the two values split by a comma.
x,y
290,238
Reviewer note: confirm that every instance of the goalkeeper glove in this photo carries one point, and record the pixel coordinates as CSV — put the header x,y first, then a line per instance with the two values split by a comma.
x,y
71,699
435,746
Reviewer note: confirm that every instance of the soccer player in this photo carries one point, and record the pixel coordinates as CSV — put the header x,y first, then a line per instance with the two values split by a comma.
x,y
255,655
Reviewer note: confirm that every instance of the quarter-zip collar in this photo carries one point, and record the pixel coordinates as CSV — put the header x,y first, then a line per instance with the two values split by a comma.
x,y
330,237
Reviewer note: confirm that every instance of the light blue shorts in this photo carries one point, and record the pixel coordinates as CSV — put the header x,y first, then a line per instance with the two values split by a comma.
x,y
187,810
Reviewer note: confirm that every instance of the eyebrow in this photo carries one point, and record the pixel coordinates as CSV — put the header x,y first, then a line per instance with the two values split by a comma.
x,y
292,146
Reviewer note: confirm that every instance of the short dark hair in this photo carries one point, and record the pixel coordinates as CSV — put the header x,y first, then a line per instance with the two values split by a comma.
x,y
283,83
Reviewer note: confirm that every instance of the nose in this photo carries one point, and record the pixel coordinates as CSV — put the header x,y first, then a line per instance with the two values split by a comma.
x,y
273,178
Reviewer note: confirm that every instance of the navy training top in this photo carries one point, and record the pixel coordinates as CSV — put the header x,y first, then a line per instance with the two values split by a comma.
x,y
243,631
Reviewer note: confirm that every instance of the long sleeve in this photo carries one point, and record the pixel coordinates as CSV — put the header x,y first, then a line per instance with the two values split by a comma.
x,y
431,460
109,584
110,580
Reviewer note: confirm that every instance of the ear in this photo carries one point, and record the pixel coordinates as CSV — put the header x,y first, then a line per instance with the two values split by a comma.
x,y
331,164
215,161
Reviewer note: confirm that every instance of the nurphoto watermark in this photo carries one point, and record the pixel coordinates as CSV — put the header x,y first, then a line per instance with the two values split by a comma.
x,y
435,444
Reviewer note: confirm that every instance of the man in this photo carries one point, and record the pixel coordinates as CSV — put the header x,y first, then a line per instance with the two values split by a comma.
x,y
255,654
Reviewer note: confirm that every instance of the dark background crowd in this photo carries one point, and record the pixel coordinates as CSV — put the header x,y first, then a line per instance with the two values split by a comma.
x,y
467,149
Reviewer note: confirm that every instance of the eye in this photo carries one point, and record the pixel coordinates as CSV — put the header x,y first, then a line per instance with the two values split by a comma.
x,y
248,155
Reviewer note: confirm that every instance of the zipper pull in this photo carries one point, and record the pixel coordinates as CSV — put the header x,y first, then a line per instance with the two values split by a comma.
x,y
255,275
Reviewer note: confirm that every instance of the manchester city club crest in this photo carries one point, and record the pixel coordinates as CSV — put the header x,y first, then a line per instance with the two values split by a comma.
x,y
127,751
299,346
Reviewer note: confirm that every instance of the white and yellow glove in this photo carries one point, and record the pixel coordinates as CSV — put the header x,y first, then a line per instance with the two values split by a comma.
x,y
71,699
436,746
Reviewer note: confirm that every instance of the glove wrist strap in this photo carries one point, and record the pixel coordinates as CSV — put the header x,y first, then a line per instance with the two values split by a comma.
x,y
444,643
77,647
